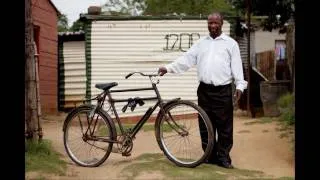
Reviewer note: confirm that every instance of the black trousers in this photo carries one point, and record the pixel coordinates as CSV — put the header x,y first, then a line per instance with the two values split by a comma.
x,y
217,103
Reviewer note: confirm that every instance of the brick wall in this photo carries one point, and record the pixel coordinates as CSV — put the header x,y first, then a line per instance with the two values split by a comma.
x,y
45,17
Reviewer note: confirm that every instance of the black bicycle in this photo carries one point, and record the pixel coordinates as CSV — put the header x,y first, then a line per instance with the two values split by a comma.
x,y
89,132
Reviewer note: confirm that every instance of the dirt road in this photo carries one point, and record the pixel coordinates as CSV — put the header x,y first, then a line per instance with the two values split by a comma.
x,y
257,146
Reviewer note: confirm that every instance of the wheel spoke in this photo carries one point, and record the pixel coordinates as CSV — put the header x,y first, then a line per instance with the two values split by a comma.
x,y
82,149
182,144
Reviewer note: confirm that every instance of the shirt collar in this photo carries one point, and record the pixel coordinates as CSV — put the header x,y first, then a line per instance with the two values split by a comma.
x,y
222,36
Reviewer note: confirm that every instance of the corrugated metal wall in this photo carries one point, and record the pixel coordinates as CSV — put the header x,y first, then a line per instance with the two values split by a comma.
x,y
72,86
243,45
120,47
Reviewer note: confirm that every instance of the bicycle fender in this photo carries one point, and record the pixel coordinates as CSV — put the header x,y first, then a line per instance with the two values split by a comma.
x,y
165,105
73,111
91,106
171,101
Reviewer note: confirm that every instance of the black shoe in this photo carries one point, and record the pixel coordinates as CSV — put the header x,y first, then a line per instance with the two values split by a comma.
x,y
211,161
225,164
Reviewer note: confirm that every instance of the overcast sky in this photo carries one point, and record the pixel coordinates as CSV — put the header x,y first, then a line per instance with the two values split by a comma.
x,y
73,8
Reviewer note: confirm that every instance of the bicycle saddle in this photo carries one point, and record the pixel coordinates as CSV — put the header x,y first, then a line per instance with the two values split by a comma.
x,y
106,86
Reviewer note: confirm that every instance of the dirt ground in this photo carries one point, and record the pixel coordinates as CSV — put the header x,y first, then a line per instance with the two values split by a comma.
x,y
257,146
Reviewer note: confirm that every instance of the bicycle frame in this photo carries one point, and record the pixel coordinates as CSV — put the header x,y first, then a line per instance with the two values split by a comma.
x,y
101,99
146,115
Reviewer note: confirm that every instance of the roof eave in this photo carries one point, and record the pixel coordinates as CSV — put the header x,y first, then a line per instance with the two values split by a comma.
x,y
55,8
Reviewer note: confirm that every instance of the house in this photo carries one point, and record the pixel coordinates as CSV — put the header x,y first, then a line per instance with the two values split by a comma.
x,y
264,67
45,18
265,40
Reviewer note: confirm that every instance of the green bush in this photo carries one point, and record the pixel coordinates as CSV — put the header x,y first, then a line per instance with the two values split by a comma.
x,y
288,116
40,156
287,110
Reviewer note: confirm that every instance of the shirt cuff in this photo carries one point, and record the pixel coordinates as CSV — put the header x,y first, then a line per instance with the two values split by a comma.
x,y
169,68
240,87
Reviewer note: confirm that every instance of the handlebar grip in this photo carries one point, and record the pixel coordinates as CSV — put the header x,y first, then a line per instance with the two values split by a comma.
x,y
130,74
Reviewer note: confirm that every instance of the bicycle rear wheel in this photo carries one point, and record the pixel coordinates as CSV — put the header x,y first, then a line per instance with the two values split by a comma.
x,y
77,137
178,133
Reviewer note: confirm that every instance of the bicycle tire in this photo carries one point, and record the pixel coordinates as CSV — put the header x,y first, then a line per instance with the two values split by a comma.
x,y
201,155
106,128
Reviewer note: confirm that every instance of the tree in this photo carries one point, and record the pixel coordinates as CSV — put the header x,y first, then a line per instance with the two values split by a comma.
x,y
125,7
167,7
278,12
62,23
191,7
77,26
31,116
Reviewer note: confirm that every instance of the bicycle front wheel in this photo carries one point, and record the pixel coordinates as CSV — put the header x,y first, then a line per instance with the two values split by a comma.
x,y
85,145
185,133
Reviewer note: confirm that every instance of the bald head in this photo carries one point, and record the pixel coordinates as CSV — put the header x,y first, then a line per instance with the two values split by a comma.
x,y
216,15
215,21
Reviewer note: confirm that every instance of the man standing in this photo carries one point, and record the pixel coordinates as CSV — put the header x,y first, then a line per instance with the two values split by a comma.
x,y
218,61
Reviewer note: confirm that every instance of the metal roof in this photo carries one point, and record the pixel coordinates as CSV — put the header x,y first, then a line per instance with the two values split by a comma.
x,y
71,33
71,36
144,17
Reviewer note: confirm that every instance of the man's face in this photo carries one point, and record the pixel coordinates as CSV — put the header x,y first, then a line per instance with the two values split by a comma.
x,y
214,25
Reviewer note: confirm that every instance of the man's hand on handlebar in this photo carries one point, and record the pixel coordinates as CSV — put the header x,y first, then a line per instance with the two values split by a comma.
x,y
162,71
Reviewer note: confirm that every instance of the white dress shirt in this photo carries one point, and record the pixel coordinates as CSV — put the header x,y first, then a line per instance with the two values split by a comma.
x,y
218,61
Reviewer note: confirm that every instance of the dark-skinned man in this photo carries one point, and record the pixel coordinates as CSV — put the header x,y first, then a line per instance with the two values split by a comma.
x,y
218,62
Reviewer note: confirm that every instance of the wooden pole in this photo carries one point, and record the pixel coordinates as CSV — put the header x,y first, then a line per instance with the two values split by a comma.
x,y
249,57
36,56
290,50
30,76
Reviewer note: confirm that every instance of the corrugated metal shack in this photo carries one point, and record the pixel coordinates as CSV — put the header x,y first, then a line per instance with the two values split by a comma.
x,y
72,69
115,46
111,47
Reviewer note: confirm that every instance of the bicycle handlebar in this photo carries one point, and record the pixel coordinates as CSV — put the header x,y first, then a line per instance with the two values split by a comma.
x,y
142,74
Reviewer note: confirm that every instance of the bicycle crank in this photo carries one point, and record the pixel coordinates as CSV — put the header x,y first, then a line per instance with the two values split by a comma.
x,y
127,146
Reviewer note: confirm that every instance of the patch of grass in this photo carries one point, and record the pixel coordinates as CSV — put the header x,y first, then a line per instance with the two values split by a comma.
x,y
287,131
284,135
286,104
40,156
165,127
261,120
40,178
102,131
286,178
282,129
285,100
287,110
159,163
251,123
145,127
244,131
125,126
288,116
281,178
